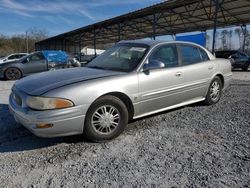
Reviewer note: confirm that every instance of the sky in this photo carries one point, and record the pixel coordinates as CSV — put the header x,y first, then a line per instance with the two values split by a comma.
x,y
58,16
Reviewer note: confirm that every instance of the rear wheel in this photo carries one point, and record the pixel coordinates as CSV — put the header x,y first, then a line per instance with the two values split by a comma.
x,y
245,68
214,91
105,119
12,74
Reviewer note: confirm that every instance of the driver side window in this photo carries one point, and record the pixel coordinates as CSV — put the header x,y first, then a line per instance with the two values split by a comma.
x,y
36,57
166,54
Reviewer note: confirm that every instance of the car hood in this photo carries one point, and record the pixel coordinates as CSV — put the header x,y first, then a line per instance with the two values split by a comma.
x,y
41,83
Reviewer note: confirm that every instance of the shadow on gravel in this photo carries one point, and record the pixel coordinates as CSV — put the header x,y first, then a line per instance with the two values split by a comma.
x,y
28,142
14,137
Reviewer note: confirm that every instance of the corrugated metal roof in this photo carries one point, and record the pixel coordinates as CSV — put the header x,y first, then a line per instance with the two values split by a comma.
x,y
165,18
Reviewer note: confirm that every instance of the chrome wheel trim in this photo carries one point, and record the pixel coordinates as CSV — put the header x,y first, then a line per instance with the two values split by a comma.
x,y
215,91
105,119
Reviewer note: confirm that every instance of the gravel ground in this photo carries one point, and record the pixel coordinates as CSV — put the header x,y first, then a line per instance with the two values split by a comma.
x,y
193,146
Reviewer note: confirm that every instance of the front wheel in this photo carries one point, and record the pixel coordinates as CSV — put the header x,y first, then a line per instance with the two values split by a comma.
x,y
214,91
105,119
12,74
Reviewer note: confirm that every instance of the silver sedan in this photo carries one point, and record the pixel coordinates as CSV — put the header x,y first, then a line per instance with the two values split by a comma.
x,y
132,79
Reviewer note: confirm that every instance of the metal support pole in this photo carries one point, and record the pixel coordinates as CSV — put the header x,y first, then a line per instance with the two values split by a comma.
x,y
36,47
61,45
215,23
74,47
95,41
244,31
154,23
80,47
65,47
119,32
55,45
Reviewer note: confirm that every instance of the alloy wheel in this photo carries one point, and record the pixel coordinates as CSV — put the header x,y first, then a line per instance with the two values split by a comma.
x,y
215,91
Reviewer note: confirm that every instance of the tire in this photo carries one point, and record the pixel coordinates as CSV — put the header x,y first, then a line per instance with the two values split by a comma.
x,y
12,74
102,125
214,91
245,68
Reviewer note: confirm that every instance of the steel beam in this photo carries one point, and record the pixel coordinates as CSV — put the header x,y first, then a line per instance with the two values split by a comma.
x,y
215,23
94,38
154,22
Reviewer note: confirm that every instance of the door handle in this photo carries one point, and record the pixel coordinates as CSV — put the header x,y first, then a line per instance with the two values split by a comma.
x,y
210,68
178,73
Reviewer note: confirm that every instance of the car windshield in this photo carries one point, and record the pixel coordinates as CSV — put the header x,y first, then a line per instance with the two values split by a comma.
x,y
121,57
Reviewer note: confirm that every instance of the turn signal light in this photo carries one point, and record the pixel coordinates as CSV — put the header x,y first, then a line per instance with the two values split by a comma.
x,y
44,125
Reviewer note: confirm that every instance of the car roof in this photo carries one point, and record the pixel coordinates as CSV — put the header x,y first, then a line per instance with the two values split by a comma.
x,y
152,43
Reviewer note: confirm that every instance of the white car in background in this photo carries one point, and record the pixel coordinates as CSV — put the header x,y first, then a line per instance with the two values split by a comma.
x,y
12,57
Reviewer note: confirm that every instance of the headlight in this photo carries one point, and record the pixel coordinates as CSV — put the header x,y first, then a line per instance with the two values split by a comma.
x,y
44,103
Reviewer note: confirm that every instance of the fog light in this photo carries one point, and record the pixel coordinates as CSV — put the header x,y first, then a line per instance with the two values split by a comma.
x,y
44,125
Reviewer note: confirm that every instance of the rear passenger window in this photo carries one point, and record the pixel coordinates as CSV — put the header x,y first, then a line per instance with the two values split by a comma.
x,y
190,54
37,57
204,55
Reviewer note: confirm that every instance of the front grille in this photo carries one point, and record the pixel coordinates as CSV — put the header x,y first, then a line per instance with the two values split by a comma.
x,y
17,99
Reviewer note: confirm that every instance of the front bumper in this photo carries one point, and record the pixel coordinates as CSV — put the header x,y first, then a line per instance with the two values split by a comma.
x,y
69,121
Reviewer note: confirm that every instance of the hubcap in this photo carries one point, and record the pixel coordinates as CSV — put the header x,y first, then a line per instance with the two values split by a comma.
x,y
215,91
12,73
105,119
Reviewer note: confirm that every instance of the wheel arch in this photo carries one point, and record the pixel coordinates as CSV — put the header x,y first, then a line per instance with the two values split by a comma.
x,y
125,99
221,78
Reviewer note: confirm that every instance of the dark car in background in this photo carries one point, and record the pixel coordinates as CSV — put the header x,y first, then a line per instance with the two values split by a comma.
x,y
39,61
238,59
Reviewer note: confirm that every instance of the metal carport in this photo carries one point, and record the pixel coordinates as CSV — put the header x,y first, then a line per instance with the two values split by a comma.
x,y
166,18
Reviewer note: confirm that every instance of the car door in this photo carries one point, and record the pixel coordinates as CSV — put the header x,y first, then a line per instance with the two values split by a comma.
x,y
35,63
159,88
196,71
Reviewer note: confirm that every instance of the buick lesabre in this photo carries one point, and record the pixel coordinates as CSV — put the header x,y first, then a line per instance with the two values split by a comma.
x,y
130,80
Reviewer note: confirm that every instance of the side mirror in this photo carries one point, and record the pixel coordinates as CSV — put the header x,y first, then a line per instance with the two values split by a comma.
x,y
153,64
4,60
25,60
